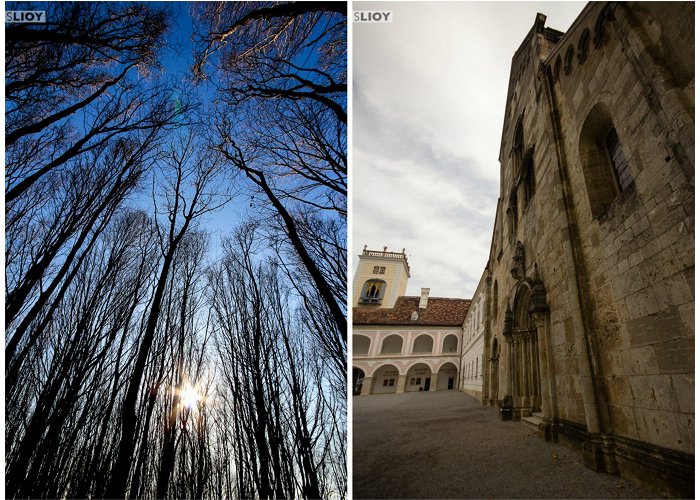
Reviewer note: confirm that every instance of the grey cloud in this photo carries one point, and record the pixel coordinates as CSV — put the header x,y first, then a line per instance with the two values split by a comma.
x,y
428,101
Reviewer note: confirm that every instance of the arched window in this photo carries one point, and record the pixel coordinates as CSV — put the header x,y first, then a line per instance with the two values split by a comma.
x,y
557,68
449,344
495,299
617,158
528,176
423,343
516,162
373,292
518,140
392,345
605,168
360,345
568,60
513,209
583,46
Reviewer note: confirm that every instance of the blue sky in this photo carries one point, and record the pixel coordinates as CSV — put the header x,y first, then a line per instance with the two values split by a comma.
x,y
429,93
176,59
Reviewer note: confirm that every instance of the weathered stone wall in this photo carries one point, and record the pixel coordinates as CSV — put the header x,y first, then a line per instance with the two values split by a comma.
x,y
638,256
597,185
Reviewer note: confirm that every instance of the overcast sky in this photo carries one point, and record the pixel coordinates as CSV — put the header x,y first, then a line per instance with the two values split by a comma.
x,y
429,94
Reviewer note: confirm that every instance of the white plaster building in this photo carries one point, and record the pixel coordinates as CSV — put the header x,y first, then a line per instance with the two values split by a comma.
x,y
400,343
380,278
473,355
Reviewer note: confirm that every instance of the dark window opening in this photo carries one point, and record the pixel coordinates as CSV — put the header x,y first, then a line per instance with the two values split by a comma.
x,y
513,210
606,170
529,179
373,292
617,160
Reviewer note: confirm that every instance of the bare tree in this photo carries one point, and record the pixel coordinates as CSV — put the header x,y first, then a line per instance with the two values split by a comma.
x,y
71,85
257,48
278,400
93,192
186,197
280,70
44,414
139,362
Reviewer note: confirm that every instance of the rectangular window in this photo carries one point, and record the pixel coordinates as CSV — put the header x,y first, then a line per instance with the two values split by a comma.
x,y
375,270
382,269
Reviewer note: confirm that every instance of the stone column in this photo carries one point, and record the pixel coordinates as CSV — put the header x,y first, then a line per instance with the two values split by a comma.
x,y
493,376
510,354
545,383
540,381
524,379
506,403
534,378
401,384
433,381
366,386
510,365
539,311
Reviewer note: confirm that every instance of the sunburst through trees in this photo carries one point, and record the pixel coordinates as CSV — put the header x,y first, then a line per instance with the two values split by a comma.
x,y
149,352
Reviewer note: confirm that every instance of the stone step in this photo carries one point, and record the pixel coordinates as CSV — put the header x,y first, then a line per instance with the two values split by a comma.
x,y
533,421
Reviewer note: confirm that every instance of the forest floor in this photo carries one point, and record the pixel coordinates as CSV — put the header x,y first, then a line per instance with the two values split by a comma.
x,y
446,445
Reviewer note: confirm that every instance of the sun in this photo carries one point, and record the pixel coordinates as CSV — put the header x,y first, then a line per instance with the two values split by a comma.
x,y
190,396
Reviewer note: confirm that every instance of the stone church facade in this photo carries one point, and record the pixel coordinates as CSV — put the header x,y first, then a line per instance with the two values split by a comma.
x,y
589,287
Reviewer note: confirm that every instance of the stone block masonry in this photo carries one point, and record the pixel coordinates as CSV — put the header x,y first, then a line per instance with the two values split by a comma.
x,y
594,243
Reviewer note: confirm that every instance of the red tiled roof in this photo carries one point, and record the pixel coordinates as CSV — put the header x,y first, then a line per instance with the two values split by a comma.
x,y
440,312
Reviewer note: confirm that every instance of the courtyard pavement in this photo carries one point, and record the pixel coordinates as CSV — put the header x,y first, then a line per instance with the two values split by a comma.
x,y
446,445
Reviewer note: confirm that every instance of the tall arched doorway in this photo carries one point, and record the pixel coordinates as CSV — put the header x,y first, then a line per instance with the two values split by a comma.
x,y
524,356
447,377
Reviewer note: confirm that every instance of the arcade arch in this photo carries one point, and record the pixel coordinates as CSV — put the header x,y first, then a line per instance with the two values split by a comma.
x,y
385,380
358,377
447,377
418,378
